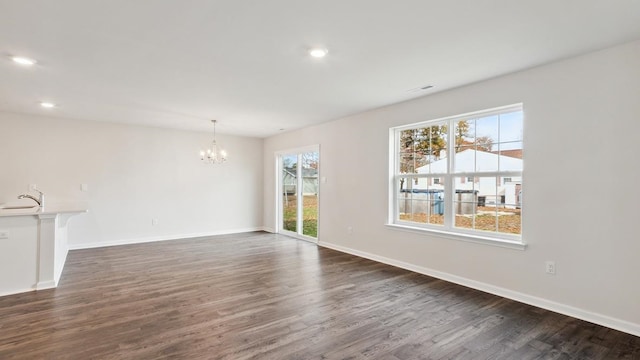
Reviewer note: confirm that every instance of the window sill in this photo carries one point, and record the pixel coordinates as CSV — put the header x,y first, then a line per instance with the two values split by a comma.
x,y
510,244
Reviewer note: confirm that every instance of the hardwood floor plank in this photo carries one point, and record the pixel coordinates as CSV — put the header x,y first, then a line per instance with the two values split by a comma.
x,y
264,296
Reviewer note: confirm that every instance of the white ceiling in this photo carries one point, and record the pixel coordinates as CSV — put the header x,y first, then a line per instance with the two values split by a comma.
x,y
179,63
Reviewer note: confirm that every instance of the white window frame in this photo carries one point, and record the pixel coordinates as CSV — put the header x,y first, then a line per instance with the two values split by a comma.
x,y
448,230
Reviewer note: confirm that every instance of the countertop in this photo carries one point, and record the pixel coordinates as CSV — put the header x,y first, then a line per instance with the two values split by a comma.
x,y
49,209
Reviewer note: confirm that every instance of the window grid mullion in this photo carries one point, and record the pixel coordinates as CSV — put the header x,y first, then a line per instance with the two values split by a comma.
x,y
450,211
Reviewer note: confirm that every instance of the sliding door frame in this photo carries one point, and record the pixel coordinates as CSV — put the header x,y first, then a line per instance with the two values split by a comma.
x,y
299,190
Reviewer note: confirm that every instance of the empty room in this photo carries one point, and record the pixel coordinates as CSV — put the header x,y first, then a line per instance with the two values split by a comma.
x,y
288,179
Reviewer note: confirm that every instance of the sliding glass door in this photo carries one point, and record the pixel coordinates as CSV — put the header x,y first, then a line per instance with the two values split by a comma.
x,y
298,188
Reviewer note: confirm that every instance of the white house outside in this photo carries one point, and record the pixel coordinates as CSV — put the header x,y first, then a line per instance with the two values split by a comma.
x,y
504,191
309,181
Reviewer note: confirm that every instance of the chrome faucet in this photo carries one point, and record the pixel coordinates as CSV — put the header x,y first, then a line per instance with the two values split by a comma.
x,y
39,200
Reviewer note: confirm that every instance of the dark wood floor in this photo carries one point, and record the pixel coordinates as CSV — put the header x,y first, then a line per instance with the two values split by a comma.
x,y
263,296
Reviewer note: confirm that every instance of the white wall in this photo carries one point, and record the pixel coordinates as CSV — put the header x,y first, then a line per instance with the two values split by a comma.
x,y
133,174
581,127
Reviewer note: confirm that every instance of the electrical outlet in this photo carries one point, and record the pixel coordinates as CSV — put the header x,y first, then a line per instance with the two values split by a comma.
x,y
154,222
551,267
349,230
84,187
4,234
33,187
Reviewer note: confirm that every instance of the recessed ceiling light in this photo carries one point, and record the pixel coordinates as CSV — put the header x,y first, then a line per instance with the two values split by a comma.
x,y
47,105
23,60
318,52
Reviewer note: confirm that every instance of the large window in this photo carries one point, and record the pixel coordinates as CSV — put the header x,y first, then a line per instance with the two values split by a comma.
x,y
461,175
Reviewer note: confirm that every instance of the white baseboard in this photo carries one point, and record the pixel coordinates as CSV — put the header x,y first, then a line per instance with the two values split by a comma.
x,y
50,284
269,229
17,291
159,238
604,320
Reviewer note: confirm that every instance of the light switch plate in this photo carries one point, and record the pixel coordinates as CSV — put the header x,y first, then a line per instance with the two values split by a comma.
x,y
4,234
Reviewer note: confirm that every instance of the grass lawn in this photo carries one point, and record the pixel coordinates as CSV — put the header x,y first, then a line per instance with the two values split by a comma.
x,y
508,220
309,214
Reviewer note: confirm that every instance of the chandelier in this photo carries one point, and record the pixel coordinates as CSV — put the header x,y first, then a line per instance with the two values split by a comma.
x,y
213,155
